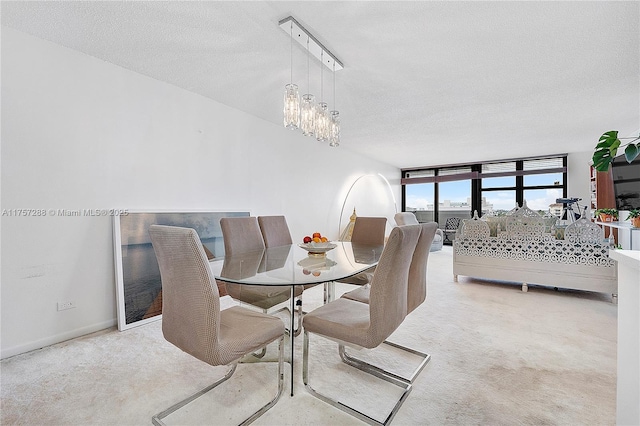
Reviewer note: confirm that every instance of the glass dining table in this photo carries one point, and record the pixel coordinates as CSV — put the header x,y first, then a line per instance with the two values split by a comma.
x,y
288,266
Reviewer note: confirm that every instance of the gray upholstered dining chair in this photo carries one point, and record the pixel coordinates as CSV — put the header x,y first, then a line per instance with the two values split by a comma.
x,y
242,235
191,315
363,325
408,218
275,231
367,231
416,291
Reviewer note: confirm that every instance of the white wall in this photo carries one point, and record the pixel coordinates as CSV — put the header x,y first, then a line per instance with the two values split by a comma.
x,y
579,178
79,133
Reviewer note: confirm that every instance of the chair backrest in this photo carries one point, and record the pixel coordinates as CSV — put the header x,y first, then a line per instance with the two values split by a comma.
x,y
452,223
241,235
417,287
275,231
190,299
240,266
405,218
389,286
369,230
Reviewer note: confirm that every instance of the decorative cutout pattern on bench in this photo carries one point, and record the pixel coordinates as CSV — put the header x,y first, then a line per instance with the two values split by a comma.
x,y
525,224
547,249
526,238
584,231
475,227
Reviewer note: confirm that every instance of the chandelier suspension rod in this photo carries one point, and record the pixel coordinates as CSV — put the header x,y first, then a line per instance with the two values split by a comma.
x,y
322,79
291,50
308,69
334,86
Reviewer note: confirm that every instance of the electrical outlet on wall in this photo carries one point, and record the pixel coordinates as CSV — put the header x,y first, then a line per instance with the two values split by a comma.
x,y
62,306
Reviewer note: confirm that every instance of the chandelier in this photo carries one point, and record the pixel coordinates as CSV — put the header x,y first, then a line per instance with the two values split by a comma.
x,y
303,112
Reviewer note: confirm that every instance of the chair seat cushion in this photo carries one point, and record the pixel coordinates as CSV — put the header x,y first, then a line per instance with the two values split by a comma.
x,y
344,320
362,278
360,294
264,297
243,331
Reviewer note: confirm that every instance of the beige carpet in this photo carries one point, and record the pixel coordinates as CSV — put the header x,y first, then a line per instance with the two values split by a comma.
x,y
499,357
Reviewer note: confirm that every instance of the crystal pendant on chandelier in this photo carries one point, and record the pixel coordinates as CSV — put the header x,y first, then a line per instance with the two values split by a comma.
x,y
334,132
291,107
322,122
308,115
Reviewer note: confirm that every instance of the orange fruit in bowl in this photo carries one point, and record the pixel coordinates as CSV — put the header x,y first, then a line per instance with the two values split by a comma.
x,y
316,235
316,239
324,239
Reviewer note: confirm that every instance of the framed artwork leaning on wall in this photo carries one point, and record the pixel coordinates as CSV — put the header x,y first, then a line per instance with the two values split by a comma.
x,y
138,284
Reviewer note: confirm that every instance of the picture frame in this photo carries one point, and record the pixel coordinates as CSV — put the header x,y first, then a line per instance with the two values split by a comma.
x,y
138,283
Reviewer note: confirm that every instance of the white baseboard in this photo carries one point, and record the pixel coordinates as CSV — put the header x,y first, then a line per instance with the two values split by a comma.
x,y
225,302
52,340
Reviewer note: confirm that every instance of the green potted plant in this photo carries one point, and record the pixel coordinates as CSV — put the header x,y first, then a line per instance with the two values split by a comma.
x,y
634,215
607,149
607,215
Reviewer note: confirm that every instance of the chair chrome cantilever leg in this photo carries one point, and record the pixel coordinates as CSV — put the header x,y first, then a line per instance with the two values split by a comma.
x,y
298,303
329,291
157,419
350,410
295,333
369,368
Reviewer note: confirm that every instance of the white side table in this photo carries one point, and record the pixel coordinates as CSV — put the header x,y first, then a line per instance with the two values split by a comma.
x,y
626,229
628,388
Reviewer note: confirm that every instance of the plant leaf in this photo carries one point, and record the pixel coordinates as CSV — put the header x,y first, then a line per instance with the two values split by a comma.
x,y
600,154
631,152
606,150
611,134
601,160
613,149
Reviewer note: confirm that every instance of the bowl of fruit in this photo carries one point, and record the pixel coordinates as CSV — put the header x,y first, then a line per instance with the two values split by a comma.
x,y
317,245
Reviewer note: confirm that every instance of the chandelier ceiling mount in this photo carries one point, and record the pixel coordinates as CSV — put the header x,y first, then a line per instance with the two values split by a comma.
x,y
300,34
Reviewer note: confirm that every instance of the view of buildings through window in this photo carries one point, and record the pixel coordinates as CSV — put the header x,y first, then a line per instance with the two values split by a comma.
x,y
539,182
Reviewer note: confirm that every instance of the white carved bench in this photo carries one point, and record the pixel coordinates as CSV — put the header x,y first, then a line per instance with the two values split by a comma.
x,y
527,253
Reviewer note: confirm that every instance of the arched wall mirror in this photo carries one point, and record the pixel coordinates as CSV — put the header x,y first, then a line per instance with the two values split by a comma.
x,y
369,195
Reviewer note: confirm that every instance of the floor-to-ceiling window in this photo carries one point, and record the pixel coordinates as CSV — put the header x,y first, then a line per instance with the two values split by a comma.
x,y
544,185
419,199
455,193
438,193
498,193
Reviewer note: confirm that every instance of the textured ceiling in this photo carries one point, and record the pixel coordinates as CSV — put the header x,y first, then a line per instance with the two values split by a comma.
x,y
424,83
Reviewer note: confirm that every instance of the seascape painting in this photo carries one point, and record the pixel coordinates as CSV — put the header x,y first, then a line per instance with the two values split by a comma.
x,y
137,272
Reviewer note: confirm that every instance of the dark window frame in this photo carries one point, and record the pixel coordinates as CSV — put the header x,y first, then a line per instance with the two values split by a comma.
x,y
476,177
